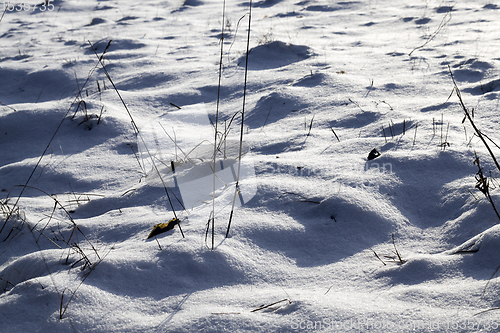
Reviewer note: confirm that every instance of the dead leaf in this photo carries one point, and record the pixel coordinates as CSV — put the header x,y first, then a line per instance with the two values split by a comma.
x,y
163,227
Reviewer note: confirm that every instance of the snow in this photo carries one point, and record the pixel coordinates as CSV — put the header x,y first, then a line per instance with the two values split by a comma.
x,y
321,238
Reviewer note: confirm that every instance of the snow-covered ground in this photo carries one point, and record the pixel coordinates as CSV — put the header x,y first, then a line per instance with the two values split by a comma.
x,y
321,238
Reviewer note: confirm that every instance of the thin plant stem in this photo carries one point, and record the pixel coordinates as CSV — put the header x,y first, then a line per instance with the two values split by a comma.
x,y
50,141
138,133
467,114
236,188
217,119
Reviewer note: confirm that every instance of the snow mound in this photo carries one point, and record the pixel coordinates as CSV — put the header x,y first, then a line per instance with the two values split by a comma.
x,y
275,54
484,246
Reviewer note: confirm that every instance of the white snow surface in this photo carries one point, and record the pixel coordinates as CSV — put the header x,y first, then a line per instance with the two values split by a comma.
x,y
327,83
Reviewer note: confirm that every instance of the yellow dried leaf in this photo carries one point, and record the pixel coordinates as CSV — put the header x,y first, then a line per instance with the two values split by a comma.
x,y
163,227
